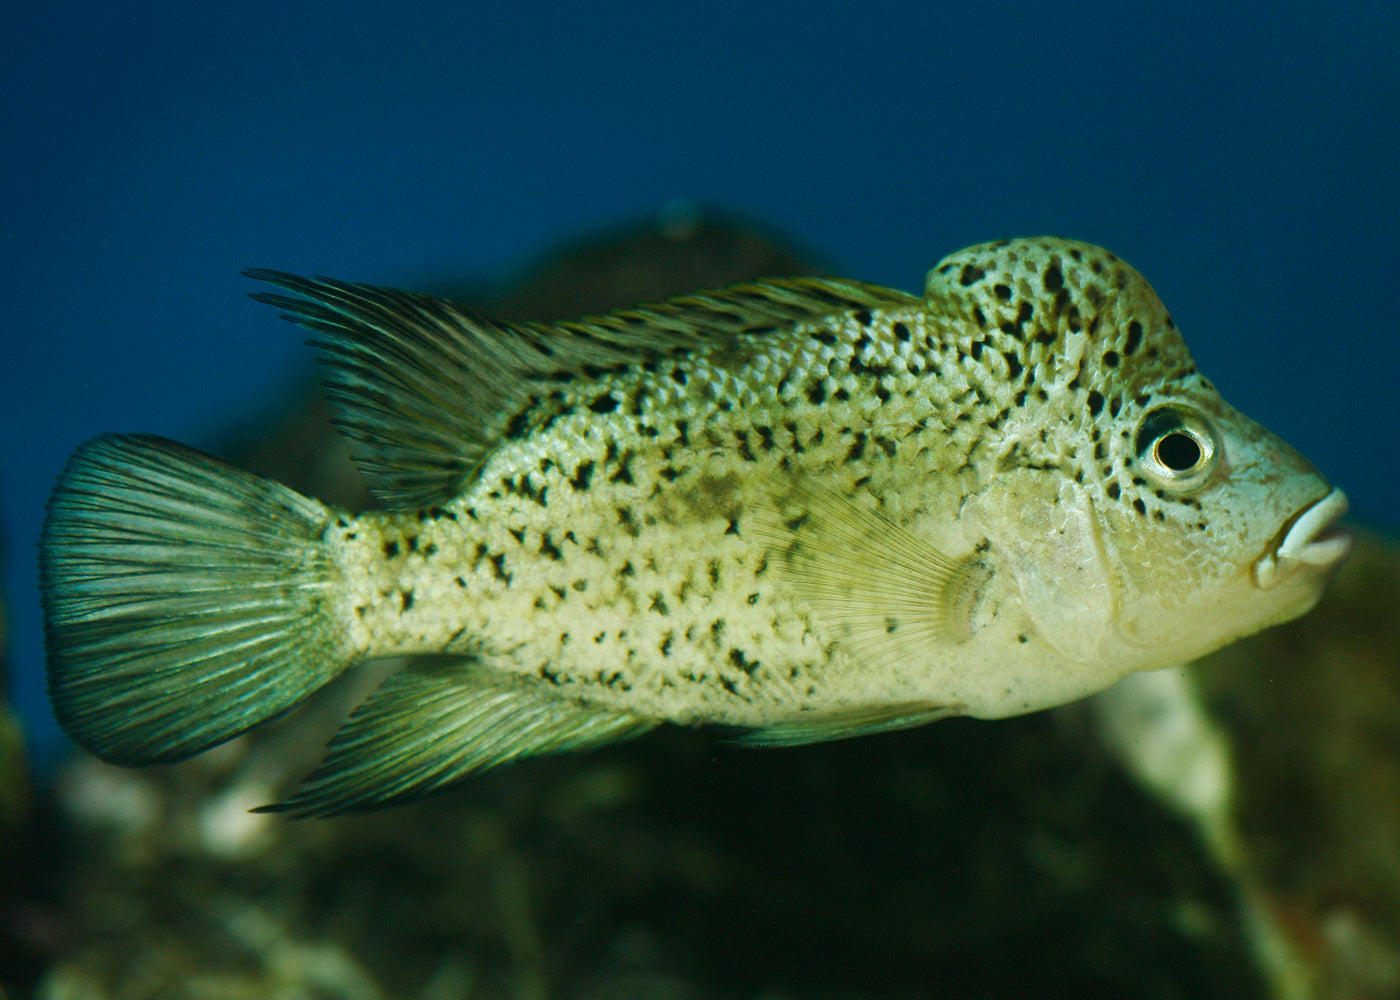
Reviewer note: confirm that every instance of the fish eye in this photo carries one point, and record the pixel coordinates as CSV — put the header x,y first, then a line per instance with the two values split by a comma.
x,y
1177,448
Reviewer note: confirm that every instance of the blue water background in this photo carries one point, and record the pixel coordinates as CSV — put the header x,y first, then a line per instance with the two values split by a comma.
x,y
1245,157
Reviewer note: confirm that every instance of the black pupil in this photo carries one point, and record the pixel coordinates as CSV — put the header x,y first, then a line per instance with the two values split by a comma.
x,y
1178,451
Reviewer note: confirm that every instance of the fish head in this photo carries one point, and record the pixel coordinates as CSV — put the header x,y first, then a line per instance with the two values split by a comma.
x,y
1219,530
1146,521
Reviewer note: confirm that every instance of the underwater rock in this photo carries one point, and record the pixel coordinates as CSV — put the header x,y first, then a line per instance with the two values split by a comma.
x,y
1312,710
1005,859
1284,750
24,924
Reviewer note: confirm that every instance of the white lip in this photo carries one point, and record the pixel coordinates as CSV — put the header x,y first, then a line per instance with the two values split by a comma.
x,y
1310,541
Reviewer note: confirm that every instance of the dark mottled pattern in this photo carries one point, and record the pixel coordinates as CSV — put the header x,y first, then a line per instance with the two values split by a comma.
x,y
629,499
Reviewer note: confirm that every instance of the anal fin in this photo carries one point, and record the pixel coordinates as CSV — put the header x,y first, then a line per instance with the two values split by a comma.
x,y
436,722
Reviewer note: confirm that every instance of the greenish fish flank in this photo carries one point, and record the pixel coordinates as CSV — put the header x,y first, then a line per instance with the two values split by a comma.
x,y
806,508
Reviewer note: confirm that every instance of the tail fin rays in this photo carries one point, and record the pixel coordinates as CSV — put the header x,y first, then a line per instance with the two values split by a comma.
x,y
185,601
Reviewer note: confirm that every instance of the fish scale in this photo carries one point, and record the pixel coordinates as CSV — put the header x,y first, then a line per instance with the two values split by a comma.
x,y
707,637
802,509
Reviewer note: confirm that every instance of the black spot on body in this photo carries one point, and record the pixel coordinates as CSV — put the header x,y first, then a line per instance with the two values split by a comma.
x,y
1013,365
583,475
520,421
1095,402
1054,279
1002,292
971,275
391,549
498,568
737,657
603,404
901,333
548,548
1134,337
816,392
624,473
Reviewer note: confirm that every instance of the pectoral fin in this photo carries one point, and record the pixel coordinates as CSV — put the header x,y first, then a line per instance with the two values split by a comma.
x,y
880,590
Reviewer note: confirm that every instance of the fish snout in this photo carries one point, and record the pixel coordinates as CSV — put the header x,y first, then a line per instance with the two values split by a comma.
x,y
1309,538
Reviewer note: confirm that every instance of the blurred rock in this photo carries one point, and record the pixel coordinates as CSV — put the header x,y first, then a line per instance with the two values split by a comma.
x,y
965,859
26,923
1284,750
1313,712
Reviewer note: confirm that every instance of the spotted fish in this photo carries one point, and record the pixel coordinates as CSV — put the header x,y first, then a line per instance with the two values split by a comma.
x,y
804,509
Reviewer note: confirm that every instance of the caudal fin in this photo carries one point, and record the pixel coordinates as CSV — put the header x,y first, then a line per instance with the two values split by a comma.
x,y
185,601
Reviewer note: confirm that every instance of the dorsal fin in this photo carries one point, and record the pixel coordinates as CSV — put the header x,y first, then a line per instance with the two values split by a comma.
x,y
424,388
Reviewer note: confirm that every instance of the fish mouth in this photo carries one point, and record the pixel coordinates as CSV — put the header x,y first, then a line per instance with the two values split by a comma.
x,y
1310,538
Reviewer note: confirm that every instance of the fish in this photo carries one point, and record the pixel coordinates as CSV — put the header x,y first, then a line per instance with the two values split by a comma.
x,y
795,510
